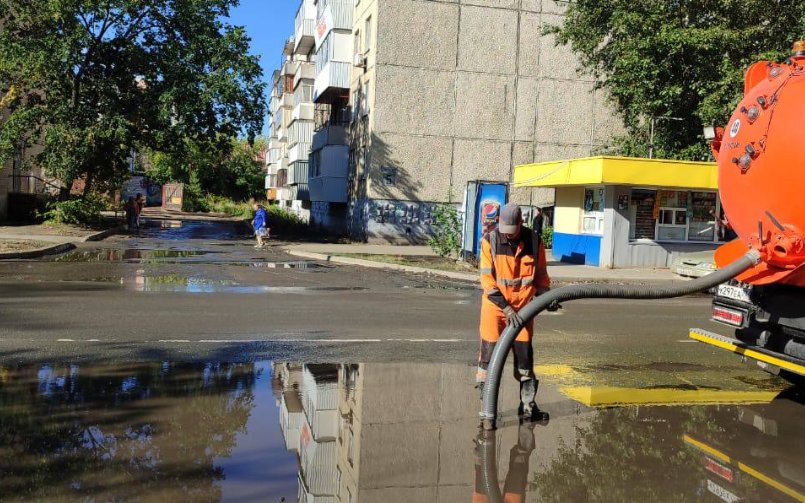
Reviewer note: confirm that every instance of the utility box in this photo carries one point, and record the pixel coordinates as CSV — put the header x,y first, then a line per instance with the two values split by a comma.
x,y
482,203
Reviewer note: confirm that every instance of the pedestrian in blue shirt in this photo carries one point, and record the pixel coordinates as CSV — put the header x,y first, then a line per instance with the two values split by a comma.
x,y
260,224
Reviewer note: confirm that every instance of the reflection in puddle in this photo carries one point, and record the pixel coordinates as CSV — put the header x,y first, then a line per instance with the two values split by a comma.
x,y
169,431
127,255
290,265
190,229
172,283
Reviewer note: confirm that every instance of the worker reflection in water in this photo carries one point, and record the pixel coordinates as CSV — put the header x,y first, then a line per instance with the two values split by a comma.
x,y
514,488
513,270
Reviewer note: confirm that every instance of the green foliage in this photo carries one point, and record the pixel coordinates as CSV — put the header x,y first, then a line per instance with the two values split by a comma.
x,y
676,59
547,236
92,80
285,223
446,238
219,204
235,172
79,211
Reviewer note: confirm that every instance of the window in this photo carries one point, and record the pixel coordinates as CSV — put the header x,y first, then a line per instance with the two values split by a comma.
x,y
672,225
703,211
367,35
592,220
672,215
365,99
357,42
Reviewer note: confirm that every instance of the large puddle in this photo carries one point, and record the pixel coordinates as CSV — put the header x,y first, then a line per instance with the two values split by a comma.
x,y
264,431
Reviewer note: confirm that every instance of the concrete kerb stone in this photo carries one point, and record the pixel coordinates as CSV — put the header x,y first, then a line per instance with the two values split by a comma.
x,y
39,252
102,234
557,278
473,278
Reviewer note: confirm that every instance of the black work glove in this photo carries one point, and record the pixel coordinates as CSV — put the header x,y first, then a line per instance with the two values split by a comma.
x,y
554,306
512,317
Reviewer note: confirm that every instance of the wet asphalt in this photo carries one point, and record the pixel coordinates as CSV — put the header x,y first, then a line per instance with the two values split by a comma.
x,y
183,364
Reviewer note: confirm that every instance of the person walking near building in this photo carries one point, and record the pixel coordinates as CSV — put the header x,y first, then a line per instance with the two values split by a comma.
x,y
130,209
513,271
260,223
140,200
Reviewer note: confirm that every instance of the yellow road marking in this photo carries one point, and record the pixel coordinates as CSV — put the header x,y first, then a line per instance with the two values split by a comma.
x,y
602,396
554,370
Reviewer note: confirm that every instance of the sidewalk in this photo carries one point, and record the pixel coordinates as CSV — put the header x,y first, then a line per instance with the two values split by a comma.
x,y
560,272
29,241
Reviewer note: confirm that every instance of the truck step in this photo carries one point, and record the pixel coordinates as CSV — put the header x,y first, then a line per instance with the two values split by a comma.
x,y
762,355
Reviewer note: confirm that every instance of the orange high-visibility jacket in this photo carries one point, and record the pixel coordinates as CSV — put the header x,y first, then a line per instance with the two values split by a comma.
x,y
513,275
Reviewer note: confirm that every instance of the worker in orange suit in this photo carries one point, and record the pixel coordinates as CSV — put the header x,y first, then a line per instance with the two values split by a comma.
x,y
513,271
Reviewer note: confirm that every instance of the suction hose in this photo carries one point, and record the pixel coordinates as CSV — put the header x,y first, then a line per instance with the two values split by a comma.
x,y
575,292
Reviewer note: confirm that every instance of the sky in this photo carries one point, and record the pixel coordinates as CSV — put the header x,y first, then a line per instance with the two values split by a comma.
x,y
269,23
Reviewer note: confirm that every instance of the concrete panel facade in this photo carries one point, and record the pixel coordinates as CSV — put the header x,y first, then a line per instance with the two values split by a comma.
x,y
414,100
407,44
464,90
487,40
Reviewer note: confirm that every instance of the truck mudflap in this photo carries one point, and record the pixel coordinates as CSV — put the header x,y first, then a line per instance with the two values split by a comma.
x,y
767,360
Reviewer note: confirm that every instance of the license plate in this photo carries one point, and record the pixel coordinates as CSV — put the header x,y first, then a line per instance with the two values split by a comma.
x,y
734,293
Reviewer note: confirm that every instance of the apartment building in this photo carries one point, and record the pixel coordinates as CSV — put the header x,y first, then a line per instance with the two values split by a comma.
x,y
291,106
445,92
414,99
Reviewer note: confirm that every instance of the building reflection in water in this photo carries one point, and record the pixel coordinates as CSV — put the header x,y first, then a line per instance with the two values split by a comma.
x,y
409,432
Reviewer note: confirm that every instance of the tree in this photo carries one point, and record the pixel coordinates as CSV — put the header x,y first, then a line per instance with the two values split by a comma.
x,y
676,58
235,172
93,79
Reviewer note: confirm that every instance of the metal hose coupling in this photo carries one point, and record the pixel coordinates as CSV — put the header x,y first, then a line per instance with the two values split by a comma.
x,y
489,411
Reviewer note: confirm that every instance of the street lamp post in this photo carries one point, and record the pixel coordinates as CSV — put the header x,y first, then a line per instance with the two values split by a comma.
x,y
651,134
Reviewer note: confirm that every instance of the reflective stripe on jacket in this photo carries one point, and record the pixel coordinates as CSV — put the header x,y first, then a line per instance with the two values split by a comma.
x,y
513,275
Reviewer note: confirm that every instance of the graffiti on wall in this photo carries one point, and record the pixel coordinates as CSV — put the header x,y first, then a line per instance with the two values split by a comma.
x,y
401,212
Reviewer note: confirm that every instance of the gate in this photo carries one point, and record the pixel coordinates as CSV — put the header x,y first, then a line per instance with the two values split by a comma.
x,y
172,196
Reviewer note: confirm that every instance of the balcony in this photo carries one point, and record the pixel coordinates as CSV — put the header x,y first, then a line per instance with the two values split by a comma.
x,y
303,112
334,76
306,71
329,135
305,27
328,189
334,15
299,152
328,178
299,192
286,101
282,135
298,173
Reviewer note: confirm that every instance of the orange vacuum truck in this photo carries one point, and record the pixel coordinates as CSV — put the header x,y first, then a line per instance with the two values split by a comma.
x,y
761,179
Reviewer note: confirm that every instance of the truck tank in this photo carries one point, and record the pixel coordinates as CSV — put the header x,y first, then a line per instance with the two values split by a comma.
x,y
761,169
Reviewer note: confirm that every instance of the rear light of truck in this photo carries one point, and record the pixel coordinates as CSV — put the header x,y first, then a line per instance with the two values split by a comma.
x,y
729,316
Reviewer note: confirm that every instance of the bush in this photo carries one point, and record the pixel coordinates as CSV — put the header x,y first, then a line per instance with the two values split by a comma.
x,y
81,211
547,237
446,237
284,222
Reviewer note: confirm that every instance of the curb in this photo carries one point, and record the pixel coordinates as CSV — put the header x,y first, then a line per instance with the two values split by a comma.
x,y
382,265
556,280
102,234
39,252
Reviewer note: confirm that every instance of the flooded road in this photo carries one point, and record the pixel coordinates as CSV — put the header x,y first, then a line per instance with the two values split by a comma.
x,y
182,364
263,431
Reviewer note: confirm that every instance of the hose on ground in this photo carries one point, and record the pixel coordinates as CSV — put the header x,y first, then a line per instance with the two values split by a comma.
x,y
592,291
